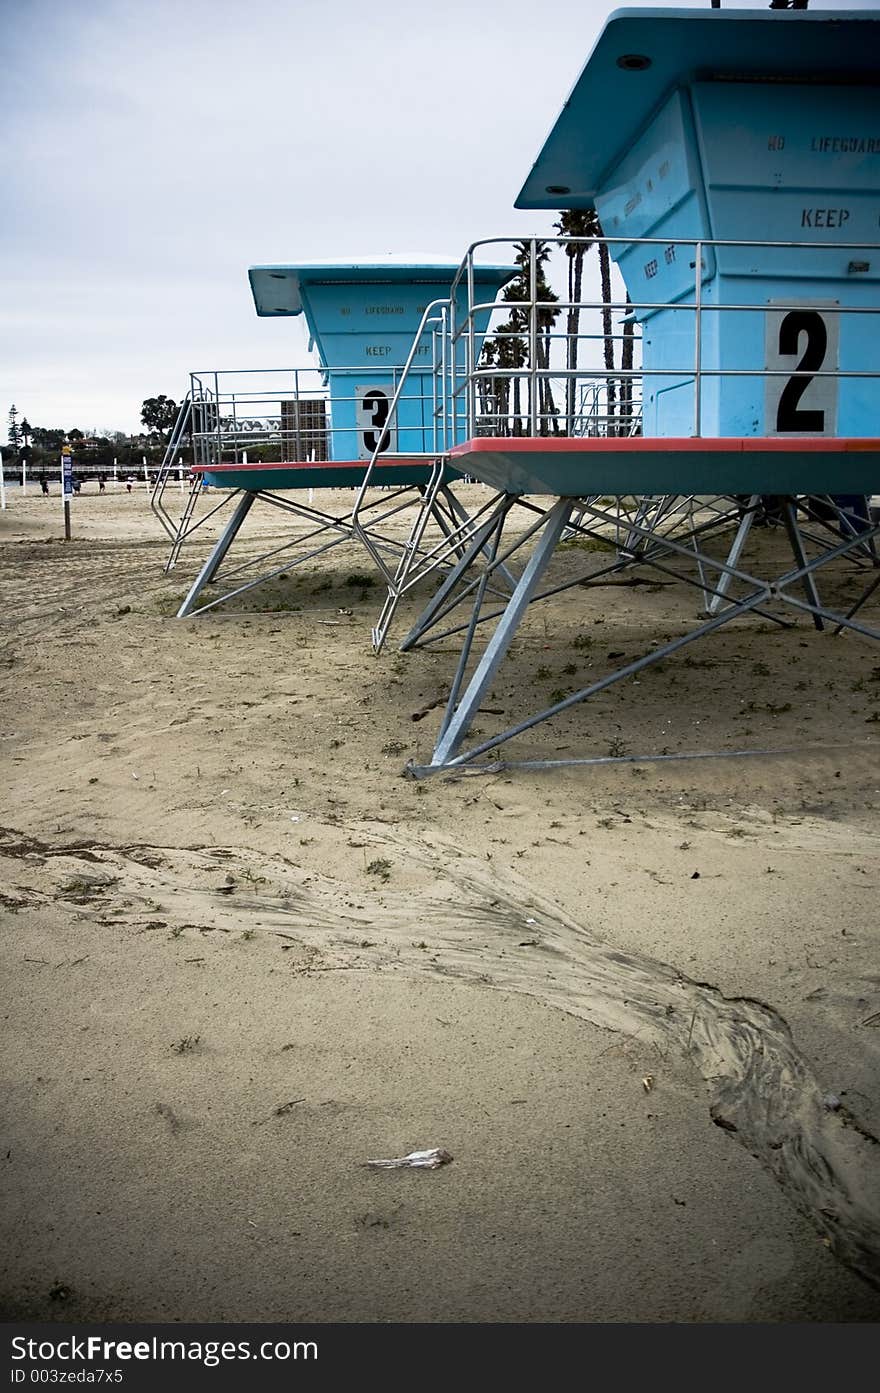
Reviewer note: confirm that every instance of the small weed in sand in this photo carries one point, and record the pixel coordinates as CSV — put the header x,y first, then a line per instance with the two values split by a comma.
x,y
591,543
582,641
393,747
617,748
249,934
186,1044
380,867
166,606
357,581
81,889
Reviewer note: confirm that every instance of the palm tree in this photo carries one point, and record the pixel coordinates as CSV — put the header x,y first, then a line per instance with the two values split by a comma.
x,y
512,356
546,317
519,291
626,362
487,390
607,326
506,352
585,223
573,222
509,349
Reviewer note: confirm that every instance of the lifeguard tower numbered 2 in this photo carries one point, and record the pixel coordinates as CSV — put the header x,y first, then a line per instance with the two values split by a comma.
x,y
272,435
718,127
733,158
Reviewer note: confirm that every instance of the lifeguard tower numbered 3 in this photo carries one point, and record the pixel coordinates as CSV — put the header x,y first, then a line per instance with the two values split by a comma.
x,y
733,159
275,435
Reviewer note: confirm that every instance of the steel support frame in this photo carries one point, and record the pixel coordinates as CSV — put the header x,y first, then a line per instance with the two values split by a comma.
x,y
864,554
336,529
186,527
652,546
449,597
463,538
218,552
464,700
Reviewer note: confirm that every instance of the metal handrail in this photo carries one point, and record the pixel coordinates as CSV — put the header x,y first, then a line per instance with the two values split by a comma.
x,y
443,306
178,431
533,421
229,411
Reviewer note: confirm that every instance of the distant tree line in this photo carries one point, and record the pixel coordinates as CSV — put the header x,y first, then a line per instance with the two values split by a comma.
x,y
38,448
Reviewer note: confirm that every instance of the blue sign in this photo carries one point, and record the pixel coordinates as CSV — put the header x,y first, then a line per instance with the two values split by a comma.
x,y
66,472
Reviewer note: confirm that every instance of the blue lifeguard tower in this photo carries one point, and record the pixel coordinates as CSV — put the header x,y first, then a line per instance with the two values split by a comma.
x,y
274,435
733,159
717,127
361,320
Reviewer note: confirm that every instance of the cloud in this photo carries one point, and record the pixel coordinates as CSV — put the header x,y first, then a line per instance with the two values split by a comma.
x,y
153,153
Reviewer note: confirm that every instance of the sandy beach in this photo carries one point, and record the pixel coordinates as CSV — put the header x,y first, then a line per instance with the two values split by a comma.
x,y
243,955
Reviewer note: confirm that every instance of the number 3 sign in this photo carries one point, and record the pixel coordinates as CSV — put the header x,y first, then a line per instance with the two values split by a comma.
x,y
800,343
373,409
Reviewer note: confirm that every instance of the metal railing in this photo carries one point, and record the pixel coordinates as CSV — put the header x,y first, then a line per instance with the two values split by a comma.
x,y
520,394
272,416
540,363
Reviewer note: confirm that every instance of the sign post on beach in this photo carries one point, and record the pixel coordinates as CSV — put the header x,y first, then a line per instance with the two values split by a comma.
x,y
66,486
2,486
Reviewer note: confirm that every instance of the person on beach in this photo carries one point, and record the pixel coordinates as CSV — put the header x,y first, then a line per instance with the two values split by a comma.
x,y
101,484
44,485
128,483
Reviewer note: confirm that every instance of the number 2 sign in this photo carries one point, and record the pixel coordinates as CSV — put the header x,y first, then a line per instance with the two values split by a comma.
x,y
802,341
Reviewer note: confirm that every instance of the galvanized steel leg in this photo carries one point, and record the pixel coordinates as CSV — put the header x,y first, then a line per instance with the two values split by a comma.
x,y
722,584
866,595
789,517
224,542
480,541
461,513
456,727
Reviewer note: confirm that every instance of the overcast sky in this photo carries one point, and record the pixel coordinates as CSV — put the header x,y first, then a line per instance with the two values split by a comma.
x,y
154,149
